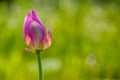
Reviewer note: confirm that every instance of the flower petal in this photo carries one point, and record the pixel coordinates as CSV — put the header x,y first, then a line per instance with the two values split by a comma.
x,y
36,33
47,40
27,40
27,22
37,19
28,43
33,17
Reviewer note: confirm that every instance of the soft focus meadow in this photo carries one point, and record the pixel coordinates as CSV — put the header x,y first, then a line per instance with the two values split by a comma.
x,y
85,45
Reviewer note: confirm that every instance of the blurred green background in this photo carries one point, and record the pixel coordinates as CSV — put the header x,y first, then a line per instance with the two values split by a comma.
x,y
85,45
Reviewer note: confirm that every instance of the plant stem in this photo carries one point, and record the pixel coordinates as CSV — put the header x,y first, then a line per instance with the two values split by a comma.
x,y
39,65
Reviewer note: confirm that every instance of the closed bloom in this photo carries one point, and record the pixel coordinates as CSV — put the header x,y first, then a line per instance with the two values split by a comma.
x,y
35,35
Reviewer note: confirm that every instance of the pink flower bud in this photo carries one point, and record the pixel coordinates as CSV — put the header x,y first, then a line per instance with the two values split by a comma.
x,y
35,35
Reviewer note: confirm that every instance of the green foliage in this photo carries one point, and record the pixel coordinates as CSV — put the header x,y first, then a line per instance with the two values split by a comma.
x,y
85,45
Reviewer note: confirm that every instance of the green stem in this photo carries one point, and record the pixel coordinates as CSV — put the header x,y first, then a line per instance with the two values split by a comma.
x,y
39,64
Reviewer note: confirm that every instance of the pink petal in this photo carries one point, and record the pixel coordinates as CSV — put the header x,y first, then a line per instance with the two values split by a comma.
x,y
27,40
36,33
48,40
37,19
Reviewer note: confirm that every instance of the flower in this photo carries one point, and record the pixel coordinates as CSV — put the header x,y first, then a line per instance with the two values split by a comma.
x,y
35,35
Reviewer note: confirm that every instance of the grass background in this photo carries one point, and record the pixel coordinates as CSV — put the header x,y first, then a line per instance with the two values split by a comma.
x,y
85,45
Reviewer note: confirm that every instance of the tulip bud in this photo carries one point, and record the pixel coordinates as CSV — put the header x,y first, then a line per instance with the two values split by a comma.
x,y
35,35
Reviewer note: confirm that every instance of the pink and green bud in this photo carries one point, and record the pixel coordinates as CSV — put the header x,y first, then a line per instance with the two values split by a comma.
x,y
35,35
